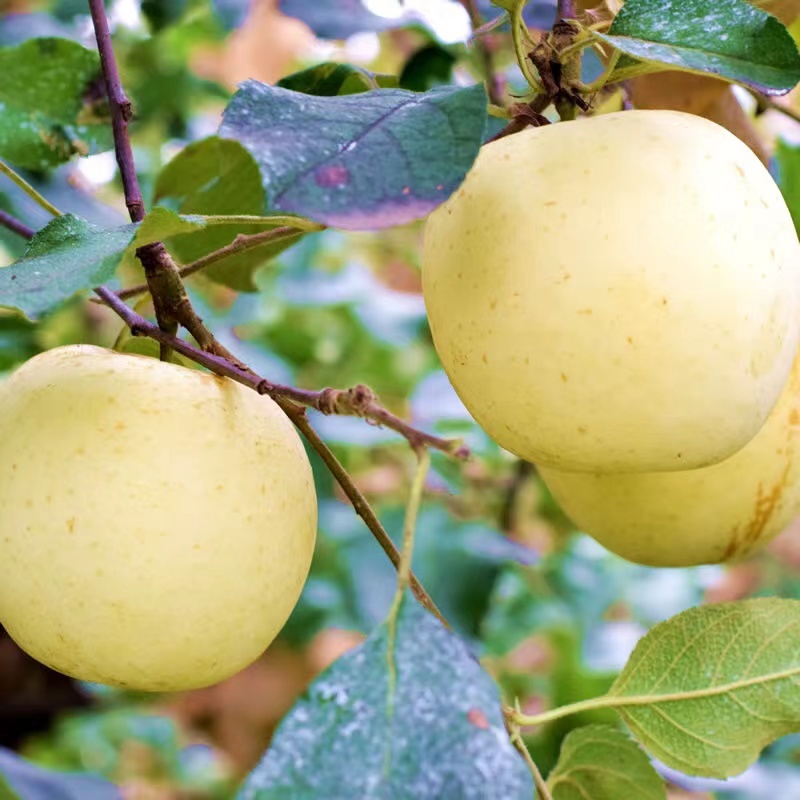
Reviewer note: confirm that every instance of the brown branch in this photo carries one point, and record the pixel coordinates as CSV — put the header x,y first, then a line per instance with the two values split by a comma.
x,y
121,112
15,225
566,10
241,244
509,512
221,363
494,86
360,401
767,102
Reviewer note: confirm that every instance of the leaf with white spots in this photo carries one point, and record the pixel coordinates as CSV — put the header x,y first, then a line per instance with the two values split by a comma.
x,y
359,162
707,690
66,256
70,255
409,714
727,38
599,762
51,105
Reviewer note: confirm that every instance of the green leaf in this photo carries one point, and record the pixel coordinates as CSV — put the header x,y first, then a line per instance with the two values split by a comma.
x,y
727,38
71,254
362,162
29,782
331,78
215,176
706,690
602,763
161,13
430,66
50,106
787,158
65,257
409,714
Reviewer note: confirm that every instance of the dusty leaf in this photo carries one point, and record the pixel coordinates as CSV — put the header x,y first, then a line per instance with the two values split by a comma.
x,y
359,162
729,38
408,714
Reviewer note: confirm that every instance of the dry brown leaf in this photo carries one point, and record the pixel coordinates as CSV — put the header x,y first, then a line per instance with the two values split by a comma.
x,y
698,94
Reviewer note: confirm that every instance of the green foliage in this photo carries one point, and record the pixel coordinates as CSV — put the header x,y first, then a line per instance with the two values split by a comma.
x,y
217,176
317,154
66,256
787,157
51,103
330,79
708,689
730,38
430,66
602,763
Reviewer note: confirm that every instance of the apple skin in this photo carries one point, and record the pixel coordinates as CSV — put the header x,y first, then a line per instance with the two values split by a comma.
x,y
156,523
714,514
616,294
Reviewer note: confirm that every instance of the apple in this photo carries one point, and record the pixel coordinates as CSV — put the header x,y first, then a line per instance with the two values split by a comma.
x,y
616,294
678,519
156,523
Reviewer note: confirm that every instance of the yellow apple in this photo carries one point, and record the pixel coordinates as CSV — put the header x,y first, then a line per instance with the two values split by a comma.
x,y
616,294
156,523
677,519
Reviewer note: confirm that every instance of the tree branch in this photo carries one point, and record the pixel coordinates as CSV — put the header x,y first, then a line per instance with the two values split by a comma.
x,y
566,10
223,364
13,224
770,103
121,112
494,87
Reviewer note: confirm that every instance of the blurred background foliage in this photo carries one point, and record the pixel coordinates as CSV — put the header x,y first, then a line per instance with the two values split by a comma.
x,y
552,615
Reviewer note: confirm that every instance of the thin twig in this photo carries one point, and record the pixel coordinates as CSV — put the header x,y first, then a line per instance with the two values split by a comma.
x,y
360,401
510,511
221,365
241,244
768,102
13,224
28,189
121,112
542,792
494,87
566,10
